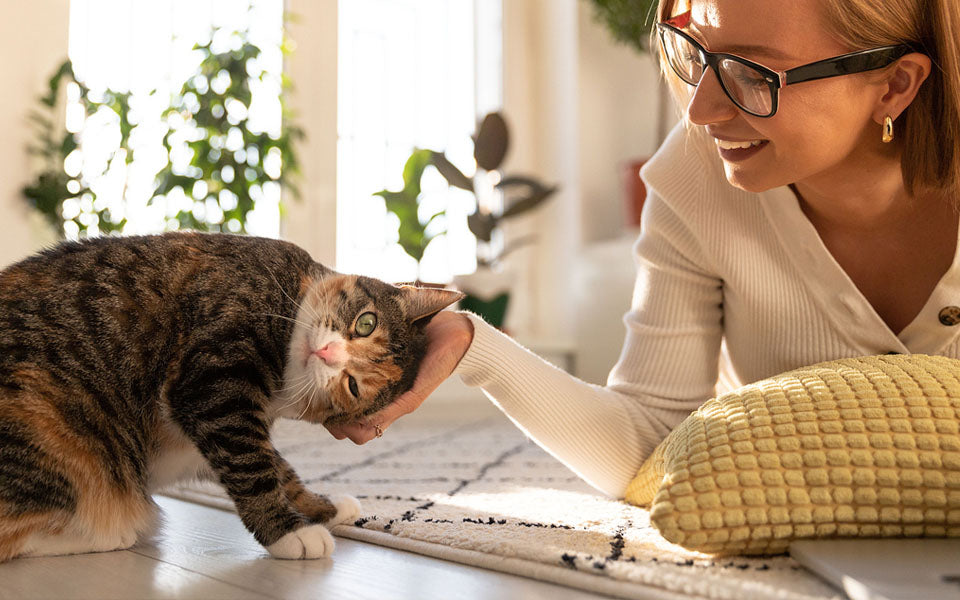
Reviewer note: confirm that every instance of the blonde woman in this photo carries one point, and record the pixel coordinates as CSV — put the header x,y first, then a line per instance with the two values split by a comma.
x,y
807,211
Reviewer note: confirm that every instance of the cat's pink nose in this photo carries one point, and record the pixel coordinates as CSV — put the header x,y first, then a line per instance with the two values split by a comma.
x,y
333,353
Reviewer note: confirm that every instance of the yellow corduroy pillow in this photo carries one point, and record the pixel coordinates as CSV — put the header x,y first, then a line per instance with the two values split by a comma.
x,y
860,447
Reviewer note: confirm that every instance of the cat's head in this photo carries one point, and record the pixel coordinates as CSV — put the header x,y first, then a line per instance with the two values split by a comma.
x,y
356,345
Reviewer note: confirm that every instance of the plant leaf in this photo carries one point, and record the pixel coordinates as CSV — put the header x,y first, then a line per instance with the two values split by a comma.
x,y
491,142
482,225
413,170
530,202
629,21
450,172
512,181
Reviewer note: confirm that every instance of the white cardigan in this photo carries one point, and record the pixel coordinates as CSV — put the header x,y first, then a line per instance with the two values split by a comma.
x,y
713,263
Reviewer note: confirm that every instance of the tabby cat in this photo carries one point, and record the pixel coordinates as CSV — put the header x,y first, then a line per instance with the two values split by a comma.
x,y
127,364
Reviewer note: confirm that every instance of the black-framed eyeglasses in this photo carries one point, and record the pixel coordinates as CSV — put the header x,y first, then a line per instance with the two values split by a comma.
x,y
753,87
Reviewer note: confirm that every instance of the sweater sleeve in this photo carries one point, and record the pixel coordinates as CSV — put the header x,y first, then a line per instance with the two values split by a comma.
x,y
667,368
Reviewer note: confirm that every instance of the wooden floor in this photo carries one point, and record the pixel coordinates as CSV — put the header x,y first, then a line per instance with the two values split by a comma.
x,y
205,553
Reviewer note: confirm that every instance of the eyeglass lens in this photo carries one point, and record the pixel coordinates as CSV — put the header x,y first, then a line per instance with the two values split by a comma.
x,y
684,57
746,86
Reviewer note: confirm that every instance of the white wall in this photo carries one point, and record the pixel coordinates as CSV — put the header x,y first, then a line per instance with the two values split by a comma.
x,y
312,67
540,102
578,105
619,104
33,42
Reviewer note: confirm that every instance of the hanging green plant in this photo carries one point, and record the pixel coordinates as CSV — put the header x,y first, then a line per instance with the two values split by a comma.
x,y
229,164
629,21
66,200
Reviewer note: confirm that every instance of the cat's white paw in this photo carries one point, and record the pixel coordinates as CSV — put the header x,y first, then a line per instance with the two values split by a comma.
x,y
312,541
348,509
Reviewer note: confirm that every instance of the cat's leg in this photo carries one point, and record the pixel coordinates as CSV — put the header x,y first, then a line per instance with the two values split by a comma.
x,y
327,509
222,413
102,519
15,531
41,544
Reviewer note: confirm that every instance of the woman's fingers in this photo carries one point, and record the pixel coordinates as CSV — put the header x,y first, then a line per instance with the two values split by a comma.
x,y
363,431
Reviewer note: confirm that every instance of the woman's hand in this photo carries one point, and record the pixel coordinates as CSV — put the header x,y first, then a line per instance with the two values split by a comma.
x,y
449,334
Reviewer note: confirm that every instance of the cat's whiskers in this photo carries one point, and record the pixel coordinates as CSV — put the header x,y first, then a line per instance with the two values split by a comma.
x,y
292,320
307,389
323,283
294,387
300,307
306,406
297,387
295,395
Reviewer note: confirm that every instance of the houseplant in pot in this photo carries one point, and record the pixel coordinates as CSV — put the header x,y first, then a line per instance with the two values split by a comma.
x,y
500,197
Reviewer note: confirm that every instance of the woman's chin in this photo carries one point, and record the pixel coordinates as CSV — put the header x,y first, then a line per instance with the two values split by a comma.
x,y
746,181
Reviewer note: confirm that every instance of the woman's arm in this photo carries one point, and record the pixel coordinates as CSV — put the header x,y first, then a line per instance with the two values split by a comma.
x,y
668,367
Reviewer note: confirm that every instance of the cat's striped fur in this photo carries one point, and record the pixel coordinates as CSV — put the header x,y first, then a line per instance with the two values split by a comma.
x,y
129,363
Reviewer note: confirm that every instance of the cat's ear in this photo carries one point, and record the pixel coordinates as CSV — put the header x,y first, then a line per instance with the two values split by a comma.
x,y
421,303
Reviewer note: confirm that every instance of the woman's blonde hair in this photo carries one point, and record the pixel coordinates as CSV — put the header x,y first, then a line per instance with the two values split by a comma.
x,y
928,132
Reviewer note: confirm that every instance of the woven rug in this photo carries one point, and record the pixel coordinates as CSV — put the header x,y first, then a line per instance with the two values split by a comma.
x,y
472,488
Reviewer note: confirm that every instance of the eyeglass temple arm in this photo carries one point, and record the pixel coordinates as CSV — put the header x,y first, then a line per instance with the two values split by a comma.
x,y
856,62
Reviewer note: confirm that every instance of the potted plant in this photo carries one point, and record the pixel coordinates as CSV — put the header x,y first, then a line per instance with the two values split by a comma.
x,y
631,22
488,289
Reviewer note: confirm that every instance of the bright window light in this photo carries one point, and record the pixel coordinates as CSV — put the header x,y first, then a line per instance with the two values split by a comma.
x,y
412,73
139,46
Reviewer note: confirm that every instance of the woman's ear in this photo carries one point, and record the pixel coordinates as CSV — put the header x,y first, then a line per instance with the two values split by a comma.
x,y
903,82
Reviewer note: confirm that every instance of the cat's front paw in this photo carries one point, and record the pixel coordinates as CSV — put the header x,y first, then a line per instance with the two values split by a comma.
x,y
312,541
348,509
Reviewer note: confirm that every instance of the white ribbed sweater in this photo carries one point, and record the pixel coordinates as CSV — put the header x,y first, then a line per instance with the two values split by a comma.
x,y
713,263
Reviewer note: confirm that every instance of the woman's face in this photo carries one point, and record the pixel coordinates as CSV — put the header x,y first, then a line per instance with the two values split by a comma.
x,y
821,129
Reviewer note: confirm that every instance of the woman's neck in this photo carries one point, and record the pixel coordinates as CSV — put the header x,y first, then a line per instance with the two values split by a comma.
x,y
867,193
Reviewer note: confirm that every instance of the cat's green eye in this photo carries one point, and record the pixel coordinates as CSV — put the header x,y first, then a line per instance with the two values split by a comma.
x,y
352,384
366,323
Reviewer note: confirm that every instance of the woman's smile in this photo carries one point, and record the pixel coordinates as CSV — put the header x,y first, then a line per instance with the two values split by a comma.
x,y
738,150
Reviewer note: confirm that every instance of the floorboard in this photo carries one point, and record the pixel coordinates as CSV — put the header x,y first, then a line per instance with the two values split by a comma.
x,y
205,553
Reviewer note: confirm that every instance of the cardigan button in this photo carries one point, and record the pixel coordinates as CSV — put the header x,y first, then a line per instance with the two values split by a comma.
x,y
950,315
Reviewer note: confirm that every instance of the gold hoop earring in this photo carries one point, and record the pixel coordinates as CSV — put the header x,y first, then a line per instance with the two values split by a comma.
x,y
887,136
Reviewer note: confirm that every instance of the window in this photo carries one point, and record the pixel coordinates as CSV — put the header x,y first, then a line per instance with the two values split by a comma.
x,y
412,73
136,46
